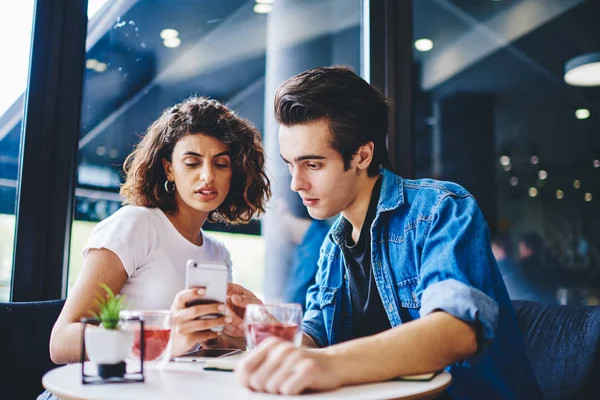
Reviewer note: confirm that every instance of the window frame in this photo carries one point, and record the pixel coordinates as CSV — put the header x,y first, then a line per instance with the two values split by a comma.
x,y
49,149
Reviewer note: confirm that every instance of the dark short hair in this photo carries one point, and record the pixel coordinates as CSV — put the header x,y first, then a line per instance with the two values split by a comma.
x,y
145,175
356,111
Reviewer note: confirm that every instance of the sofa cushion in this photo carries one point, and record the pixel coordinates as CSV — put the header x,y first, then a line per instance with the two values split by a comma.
x,y
563,343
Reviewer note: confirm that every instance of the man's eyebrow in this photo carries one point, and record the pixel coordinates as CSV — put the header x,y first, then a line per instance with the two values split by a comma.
x,y
305,157
309,157
193,153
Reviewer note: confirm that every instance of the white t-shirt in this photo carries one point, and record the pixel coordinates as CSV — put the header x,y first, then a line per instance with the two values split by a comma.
x,y
153,253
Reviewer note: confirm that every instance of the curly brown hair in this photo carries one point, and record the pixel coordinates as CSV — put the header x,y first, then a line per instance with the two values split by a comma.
x,y
145,175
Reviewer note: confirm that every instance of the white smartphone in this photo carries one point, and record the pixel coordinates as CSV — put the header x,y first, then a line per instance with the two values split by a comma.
x,y
211,276
206,354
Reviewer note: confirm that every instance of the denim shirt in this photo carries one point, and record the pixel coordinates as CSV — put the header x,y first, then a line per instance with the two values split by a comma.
x,y
430,251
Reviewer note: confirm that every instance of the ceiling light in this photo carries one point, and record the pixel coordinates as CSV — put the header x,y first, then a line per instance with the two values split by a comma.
x,y
576,184
264,1
514,181
542,174
559,194
166,34
534,159
263,8
91,63
101,150
596,163
583,70
588,197
100,67
172,43
424,44
505,160
533,192
582,113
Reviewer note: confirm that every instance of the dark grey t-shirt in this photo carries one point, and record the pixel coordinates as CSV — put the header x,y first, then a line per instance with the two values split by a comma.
x,y
368,315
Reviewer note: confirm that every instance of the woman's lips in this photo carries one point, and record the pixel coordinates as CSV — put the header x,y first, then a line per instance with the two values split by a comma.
x,y
207,194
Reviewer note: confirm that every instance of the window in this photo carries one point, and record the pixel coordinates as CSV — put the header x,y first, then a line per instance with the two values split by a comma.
x,y
495,113
145,56
15,37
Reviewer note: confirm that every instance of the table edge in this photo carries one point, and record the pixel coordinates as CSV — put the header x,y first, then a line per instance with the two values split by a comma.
x,y
65,395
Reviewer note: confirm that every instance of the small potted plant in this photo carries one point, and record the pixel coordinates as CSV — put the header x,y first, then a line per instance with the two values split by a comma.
x,y
108,344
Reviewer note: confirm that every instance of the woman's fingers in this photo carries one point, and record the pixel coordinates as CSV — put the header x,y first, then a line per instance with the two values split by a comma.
x,y
235,289
234,331
242,300
236,313
197,325
183,298
200,337
199,310
185,314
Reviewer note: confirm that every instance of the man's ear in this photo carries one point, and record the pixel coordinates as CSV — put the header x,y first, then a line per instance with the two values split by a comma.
x,y
168,167
364,155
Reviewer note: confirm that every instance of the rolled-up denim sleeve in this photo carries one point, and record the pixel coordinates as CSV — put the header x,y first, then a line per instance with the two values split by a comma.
x,y
456,269
313,323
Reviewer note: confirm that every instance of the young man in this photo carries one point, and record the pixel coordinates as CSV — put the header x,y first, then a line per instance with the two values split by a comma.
x,y
407,282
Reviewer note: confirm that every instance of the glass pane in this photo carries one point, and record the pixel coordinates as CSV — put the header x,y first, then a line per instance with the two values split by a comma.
x,y
15,39
145,56
497,112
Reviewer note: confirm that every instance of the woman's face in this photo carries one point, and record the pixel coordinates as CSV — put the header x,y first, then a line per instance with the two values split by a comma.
x,y
201,169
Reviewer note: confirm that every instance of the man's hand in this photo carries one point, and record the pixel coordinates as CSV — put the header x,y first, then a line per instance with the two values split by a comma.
x,y
238,299
277,366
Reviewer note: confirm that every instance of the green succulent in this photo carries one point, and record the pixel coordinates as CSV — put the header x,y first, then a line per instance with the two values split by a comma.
x,y
109,306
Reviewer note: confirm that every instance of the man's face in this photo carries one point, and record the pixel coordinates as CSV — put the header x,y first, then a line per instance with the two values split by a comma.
x,y
317,169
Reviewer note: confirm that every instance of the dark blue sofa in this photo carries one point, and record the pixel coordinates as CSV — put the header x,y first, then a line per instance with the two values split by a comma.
x,y
563,343
24,352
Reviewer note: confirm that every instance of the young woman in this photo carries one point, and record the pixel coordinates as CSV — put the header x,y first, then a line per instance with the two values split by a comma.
x,y
197,162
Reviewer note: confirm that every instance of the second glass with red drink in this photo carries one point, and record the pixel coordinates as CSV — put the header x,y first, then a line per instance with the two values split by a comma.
x,y
280,320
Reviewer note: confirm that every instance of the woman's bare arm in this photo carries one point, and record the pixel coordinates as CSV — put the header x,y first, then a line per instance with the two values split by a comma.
x,y
99,266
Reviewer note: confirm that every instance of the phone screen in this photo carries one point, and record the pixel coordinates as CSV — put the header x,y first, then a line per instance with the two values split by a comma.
x,y
207,353
213,352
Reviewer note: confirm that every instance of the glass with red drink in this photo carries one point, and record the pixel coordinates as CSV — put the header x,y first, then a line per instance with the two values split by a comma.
x,y
265,320
157,335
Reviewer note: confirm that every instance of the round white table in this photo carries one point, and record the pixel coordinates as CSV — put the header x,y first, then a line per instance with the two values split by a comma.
x,y
190,381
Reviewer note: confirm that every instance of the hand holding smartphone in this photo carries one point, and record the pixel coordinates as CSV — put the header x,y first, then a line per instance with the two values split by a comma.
x,y
211,276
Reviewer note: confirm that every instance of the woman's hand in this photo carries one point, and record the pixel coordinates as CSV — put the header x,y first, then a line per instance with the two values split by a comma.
x,y
238,299
188,330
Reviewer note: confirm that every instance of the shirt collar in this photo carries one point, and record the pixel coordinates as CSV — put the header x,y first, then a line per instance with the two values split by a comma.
x,y
391,196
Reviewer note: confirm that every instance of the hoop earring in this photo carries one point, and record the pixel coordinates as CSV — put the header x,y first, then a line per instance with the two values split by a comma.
x,y
167,187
